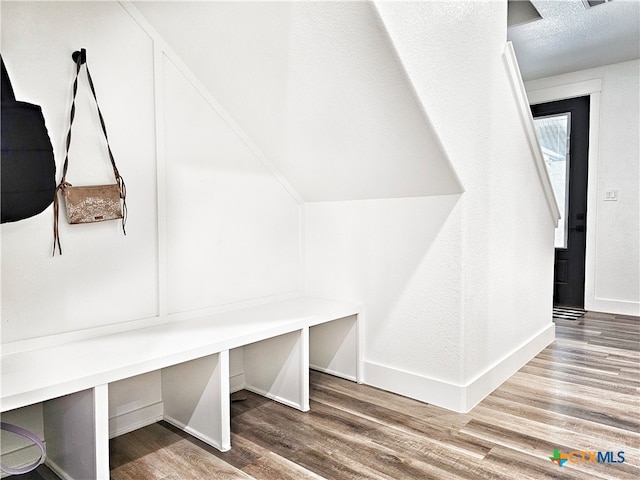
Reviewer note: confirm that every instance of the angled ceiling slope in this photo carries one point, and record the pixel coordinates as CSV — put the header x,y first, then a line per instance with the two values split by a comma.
x,y
318,88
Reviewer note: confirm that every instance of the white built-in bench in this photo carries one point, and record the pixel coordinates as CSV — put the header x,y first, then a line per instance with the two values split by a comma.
x,y
72,378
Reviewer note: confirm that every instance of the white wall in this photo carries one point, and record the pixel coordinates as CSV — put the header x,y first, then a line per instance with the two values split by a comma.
x,y
613,243
233,230
452,302
102,277
352,102
400,258
210,225
219,202
457,290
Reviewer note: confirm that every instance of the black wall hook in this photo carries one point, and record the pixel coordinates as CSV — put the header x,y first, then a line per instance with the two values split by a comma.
x,y
82,54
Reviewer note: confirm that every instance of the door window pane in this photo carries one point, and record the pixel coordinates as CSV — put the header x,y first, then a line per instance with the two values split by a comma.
x,y
554,133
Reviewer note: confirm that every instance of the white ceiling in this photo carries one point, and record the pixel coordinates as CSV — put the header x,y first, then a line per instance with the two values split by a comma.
x,y
571,37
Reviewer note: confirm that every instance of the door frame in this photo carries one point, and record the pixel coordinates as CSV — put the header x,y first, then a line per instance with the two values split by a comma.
x,y
592,88
570,257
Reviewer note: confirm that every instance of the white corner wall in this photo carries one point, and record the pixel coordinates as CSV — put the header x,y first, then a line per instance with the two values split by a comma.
x,y
400,259
457,290
506,253
612,282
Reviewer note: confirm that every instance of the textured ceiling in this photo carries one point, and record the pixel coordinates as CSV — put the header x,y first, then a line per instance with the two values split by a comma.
x,y
570,37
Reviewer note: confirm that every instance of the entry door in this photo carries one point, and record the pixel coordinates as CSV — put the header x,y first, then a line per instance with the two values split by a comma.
x,y
563,131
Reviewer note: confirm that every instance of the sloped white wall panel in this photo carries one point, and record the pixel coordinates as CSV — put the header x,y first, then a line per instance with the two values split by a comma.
x,y
233,231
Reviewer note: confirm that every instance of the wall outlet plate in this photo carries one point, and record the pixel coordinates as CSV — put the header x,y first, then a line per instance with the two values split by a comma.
x,y
611,195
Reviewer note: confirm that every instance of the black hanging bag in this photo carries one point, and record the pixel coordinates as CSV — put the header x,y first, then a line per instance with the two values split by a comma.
x,y
28,166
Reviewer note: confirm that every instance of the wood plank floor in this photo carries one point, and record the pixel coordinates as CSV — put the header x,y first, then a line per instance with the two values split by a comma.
x,y
579,394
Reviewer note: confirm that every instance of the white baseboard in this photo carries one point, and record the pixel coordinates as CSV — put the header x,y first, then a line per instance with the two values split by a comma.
x,y
197,434
615,307
459,398
277,398
485,383
335,373
55,468
420,387
236,382
135,419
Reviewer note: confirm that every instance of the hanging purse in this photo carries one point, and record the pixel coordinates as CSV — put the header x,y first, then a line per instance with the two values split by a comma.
x,y
88,204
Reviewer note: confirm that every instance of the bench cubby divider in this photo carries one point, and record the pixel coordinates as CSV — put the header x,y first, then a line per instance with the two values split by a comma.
x,y
196,395
278,368
76,428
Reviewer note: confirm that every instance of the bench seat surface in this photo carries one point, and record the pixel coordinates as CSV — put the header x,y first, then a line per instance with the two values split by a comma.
x,y
40,374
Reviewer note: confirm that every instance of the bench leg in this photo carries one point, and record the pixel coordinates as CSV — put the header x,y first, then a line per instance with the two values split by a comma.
x,y
76,429
195,395
278,368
